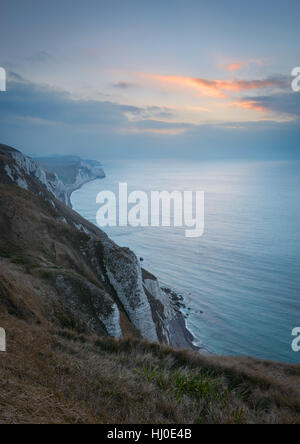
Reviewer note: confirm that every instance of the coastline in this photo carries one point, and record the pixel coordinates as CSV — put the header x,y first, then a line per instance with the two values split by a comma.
x,y
179,324
180,335
187,340
76,187
71,172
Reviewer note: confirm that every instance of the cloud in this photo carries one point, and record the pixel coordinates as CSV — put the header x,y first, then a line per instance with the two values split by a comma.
x,y
15,77
124,85
249,104
281,103
154,112
41,120
236,66
212,88
38,106
157,127
40,57
159,131
27,100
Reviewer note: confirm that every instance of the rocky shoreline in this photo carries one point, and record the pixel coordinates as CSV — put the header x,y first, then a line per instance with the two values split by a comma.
x,y
187,340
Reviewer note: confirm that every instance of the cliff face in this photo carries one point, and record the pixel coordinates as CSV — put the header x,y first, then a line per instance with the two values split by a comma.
x,y
22,168
57,267
72,171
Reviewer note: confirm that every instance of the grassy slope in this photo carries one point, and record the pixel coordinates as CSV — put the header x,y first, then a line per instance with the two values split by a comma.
x,y
50,375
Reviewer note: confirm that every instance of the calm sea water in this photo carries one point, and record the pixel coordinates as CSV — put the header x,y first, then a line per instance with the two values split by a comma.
x,y
241,279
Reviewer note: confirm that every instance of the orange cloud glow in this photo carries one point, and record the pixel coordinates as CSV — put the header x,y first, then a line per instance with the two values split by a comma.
x,y
208,88
203,87
250,104
235,66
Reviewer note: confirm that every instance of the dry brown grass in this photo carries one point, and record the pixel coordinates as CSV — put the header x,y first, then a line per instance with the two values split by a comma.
x,y
59,376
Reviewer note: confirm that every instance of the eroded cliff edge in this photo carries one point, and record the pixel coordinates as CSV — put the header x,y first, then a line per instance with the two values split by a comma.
x,y
57,267
73,171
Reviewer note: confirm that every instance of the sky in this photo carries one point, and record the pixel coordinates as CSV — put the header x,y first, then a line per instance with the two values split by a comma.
x,y
137,79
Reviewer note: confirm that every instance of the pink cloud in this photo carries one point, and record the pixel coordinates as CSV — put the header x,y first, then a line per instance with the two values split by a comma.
x,y
250,104
236,66
205,87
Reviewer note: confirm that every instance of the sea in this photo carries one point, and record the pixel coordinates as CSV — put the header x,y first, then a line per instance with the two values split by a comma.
x,y
241,279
